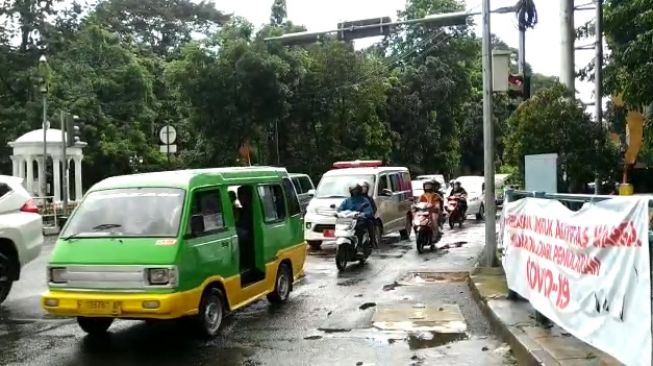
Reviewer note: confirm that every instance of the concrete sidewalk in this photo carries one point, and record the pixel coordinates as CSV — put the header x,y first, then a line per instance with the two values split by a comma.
x,y
514,321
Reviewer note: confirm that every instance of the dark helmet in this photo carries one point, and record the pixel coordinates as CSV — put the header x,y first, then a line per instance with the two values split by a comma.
x,y
430,185
355,188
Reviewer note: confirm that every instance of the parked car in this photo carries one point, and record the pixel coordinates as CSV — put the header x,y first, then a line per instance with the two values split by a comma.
x,y
390,187
21,231
304,187
474,185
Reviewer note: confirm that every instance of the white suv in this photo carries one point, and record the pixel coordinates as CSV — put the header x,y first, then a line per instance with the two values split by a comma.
x,y
21,231
390,187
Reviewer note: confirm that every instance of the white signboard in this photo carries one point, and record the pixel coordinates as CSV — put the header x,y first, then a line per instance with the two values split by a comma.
x,y
588,271
541,173
168,135
168,148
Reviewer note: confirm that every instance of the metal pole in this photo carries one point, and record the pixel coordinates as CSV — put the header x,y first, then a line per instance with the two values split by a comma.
x,y
567,39
276,137
168,143
65,163
488,143
44,180
598,77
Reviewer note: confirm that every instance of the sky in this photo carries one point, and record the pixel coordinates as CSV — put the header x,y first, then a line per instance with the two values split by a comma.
x,y
542,43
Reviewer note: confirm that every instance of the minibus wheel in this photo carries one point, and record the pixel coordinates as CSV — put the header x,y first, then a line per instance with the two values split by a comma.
x,y
211,312
282,285
94,326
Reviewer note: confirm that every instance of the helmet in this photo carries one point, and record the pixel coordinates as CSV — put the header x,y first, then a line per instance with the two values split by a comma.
x,y
355,188
429,185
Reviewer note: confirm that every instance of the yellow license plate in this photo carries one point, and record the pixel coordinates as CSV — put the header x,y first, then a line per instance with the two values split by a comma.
x,y
98,307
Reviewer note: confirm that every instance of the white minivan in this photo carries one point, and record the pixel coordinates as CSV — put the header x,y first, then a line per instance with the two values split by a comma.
x,y
390,187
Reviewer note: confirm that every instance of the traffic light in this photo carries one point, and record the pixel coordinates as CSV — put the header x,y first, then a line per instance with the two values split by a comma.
x,y
73,131
519,86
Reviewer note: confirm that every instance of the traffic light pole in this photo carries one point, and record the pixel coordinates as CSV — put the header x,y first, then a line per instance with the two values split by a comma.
x,y
489,204
65,163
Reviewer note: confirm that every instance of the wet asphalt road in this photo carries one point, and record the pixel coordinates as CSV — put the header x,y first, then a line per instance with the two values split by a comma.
x,y
327,320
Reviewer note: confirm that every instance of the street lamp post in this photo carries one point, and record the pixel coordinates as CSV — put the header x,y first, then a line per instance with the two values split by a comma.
x,y
43,64
443,20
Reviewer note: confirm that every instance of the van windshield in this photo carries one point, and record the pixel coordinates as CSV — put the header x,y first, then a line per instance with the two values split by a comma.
x,y
128,212
337,186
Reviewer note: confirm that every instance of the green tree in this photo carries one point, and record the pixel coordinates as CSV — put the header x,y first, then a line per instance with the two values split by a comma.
x,y
163,25
553,121
279,12
628,27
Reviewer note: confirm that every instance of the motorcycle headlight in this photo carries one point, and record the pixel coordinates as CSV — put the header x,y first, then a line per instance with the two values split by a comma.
x,y
162,276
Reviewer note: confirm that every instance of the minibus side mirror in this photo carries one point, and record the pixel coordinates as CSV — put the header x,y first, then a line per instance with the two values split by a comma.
x,y
311,193
196,225
386,192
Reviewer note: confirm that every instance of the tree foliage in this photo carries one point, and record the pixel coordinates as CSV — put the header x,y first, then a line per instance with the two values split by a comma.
x,y
553,121
628,27
129,67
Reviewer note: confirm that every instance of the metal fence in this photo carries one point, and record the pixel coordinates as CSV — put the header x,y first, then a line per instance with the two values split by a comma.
x,y
53,213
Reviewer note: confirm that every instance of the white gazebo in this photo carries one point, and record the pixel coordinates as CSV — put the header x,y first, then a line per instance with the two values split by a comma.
x,y
28,150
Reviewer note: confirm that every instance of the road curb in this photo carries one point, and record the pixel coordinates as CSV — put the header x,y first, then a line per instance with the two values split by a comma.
x,y
520,351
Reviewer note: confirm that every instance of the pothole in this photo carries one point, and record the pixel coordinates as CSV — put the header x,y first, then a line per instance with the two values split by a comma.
x,y
425,278
367,305
350,282
391,286
433,339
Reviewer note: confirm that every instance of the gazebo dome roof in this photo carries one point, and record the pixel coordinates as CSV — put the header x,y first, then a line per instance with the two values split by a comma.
x,y
36,136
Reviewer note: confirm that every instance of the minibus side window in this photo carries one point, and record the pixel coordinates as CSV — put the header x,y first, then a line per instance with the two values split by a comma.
x,y
291,198
306,184
209,206
295,182
272,200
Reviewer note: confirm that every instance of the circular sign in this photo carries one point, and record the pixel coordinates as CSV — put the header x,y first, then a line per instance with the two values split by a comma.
x,y
168,135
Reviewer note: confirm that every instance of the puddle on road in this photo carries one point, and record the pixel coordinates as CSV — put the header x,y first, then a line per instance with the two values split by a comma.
x,y
433,339
391,286
426,278
350,282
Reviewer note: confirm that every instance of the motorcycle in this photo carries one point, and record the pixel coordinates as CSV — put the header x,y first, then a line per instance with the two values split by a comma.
x,y
423,228
352,239
454,210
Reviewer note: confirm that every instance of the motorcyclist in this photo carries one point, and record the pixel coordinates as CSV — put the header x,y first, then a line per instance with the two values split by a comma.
x,y
360,203
366,193
432,196
458,190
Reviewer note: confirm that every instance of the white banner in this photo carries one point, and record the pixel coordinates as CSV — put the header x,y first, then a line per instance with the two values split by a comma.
x,y
588,271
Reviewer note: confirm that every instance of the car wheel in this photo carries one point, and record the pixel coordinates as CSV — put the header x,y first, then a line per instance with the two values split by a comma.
x,y
282,286
211,312
5,278
378,234
481,213
94,326
315,244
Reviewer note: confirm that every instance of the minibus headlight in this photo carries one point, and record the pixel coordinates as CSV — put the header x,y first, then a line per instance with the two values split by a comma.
x,y
162,276
57,275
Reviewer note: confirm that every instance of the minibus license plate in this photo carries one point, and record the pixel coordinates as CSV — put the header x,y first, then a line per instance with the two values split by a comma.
x,y
97,307
329,233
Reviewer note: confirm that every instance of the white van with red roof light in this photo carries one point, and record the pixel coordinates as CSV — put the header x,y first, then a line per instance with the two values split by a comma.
x,y
389,186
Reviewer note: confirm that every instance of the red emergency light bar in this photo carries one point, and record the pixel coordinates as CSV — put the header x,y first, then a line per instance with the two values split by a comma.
x,y
358,164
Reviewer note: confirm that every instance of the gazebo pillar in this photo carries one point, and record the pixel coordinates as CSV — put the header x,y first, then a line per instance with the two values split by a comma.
x,y
40,162
78,178
21,167
30,174
56,166
14,166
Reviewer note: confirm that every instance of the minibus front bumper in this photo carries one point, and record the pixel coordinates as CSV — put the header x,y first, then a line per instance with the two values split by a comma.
x,y
121,305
